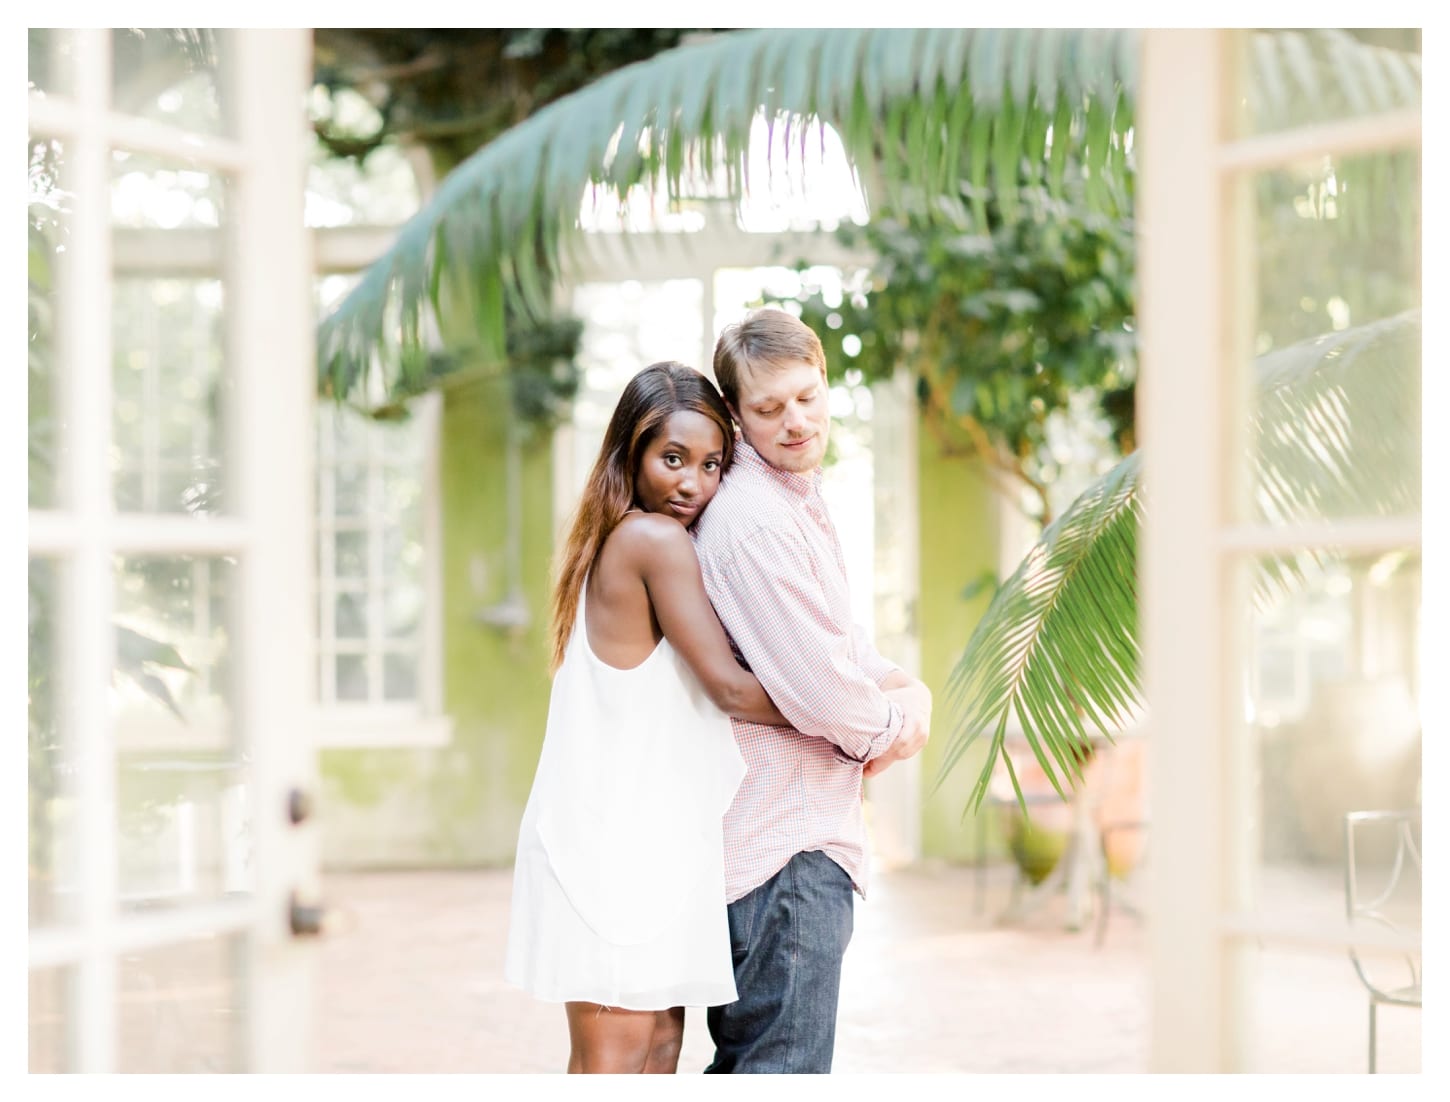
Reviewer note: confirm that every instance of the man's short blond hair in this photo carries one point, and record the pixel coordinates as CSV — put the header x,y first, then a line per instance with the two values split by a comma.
x,y
764,340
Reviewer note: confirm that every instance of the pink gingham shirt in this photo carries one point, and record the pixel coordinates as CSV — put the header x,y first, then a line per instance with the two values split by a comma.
x,y
774,572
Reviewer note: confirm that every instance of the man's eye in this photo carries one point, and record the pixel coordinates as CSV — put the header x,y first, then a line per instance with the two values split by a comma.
x,y
768,412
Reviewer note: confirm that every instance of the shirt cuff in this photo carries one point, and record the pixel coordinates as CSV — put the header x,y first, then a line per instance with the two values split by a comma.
x,y
878,744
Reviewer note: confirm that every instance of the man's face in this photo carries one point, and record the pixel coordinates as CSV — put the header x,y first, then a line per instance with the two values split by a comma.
x,y
784,414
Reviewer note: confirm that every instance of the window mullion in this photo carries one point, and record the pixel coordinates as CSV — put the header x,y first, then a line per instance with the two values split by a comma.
x,y
1382,133
327,557
84,295
372,600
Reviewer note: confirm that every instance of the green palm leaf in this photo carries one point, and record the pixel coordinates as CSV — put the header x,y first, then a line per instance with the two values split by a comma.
x,y
1334,432
1059,635
914,107
1336,424
498,224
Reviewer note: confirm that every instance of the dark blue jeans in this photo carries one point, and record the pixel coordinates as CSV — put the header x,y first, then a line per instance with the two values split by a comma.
x,y
788,937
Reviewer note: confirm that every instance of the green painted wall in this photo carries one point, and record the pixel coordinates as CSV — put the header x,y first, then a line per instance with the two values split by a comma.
x,y
461,804
958,541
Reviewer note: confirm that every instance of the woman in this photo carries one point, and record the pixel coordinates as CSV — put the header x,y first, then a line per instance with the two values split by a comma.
x,y
618,908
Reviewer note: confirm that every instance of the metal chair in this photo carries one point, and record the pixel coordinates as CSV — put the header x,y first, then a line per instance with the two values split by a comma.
x,y
1404,823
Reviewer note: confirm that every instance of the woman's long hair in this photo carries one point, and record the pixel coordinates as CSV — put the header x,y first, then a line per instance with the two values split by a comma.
x,y
647,402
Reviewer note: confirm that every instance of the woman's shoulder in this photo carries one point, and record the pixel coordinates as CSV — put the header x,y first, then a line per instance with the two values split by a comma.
x,y
650,534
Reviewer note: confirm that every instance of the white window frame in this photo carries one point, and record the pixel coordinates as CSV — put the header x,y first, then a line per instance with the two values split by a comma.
x,y
269,350
344,250
1195,306
422,721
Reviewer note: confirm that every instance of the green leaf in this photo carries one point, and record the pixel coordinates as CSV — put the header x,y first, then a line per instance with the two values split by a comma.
x,y
1335,433
506,213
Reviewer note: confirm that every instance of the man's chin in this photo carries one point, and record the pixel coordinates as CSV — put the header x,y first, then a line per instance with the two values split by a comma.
x,y
797,462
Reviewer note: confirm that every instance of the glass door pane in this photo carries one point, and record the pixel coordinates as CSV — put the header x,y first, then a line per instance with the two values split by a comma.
x,y
1334,386
51,830
170,75
182,1007
48,229
182,778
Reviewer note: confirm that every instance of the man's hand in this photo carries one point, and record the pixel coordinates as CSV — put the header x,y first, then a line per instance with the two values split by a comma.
x,y
914,699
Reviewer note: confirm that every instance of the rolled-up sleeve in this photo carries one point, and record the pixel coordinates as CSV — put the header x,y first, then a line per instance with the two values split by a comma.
x,y
773,606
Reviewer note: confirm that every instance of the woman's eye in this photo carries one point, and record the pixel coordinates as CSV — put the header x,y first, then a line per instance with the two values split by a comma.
x,y
711,465
672,461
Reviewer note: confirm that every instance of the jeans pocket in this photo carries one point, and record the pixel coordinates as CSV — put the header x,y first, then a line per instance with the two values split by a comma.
x,y
741,917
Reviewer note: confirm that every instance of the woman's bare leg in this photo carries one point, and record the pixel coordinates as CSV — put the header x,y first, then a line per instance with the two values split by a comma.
x,y
608,1040
664,1047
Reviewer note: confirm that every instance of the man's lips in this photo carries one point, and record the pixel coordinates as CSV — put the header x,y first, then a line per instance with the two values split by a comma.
x,y
797,443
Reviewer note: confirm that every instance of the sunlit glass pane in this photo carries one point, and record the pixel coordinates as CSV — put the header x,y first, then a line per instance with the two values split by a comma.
x,y
169,75
51,58
1325,75
1334,389
49,231
51,1012
184,823
182,1007
51,833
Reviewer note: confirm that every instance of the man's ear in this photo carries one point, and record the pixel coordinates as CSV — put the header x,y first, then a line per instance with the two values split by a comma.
x,y
734,413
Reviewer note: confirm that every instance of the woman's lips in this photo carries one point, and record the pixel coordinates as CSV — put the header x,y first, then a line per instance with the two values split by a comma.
x,y
684,509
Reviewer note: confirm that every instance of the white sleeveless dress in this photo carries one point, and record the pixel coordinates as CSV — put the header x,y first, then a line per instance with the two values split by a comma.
x,y
619,878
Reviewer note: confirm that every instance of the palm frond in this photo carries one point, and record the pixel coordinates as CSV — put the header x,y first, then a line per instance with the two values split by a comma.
x,y
1335,426
1323,74
919,108
1334,433
498,224
1058,643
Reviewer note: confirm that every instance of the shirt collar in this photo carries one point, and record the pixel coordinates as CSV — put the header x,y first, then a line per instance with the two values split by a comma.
x,y
802,485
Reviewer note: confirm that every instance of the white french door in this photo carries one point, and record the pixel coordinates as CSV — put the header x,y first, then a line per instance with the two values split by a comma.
x,y
169,491
1279,269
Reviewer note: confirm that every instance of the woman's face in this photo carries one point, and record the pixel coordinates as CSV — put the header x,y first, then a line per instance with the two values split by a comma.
x,y
680,469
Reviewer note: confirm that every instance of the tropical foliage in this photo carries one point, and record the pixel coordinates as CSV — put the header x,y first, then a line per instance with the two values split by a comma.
x,y
1013,113
1006,327
1057,650
447,93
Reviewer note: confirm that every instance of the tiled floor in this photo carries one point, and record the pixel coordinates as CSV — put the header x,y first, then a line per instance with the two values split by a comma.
x,y
413,983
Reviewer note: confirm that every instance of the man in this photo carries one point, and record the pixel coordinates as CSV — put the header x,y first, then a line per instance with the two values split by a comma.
x,y
795,838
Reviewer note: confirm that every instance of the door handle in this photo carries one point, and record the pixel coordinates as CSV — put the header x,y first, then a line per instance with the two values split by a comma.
x,y
310,919
299,806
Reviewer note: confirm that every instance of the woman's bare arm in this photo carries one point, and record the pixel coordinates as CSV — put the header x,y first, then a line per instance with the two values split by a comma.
x,y
661,550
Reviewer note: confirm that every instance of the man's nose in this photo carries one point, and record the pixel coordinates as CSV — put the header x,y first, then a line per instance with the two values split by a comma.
x,y
795,420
